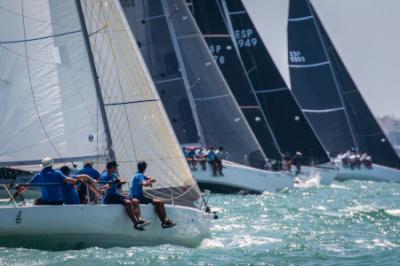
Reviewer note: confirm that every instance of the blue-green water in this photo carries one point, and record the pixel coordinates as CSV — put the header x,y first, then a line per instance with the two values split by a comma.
x,y
351,223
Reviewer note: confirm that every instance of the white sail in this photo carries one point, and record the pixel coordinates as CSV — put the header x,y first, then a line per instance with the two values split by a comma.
x,y
366,36
48,102
139,127
270,19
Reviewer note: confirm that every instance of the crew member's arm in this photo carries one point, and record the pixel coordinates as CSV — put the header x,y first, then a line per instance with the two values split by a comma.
x,y
148,181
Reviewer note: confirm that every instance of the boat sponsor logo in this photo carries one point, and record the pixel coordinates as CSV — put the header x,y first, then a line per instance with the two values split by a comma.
x,y
296,57
246,38
18,218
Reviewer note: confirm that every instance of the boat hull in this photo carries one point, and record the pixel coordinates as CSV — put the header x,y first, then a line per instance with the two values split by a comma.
x,y
376,173
240,178
83,226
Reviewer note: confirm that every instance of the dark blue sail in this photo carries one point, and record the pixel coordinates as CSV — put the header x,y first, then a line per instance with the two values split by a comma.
x,y
370,136
327,93
289,126
313,82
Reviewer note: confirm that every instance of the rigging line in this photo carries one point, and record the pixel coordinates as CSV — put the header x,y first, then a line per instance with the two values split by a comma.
x,y
31,88
40,38
131,102
97,31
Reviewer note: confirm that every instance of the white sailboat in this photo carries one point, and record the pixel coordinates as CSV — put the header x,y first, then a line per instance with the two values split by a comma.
x,y
73,86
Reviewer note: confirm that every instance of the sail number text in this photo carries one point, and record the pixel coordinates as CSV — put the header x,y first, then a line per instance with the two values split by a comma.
x,y
246,38
296,57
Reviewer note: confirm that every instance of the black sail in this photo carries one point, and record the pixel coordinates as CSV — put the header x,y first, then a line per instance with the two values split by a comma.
x,y
327,93
171,43
290,127
370,136
313,82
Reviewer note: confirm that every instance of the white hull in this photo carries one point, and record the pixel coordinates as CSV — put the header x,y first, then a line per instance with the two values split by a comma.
x,y
82,226
239,178
376,173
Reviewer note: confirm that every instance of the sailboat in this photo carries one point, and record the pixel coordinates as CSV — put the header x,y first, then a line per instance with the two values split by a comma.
x,y
197,99
232,34
75,87
331,100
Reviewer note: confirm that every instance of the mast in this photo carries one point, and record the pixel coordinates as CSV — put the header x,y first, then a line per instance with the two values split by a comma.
x,y
96,80
232,35
183,72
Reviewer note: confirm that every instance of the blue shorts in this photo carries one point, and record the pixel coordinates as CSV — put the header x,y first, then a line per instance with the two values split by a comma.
x,y
115,199
144,200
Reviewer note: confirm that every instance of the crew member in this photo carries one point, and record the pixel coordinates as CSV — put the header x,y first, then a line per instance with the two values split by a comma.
x,y
139,181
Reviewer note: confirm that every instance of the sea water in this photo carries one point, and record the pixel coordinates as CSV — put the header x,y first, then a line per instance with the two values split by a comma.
x,y
350,223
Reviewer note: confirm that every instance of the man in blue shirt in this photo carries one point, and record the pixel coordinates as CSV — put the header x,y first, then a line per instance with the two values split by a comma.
x,y
86,195
70,194
50,182
132,208
139,180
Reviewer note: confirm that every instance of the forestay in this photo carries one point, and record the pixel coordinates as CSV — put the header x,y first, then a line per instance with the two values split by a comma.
x,y
172,33
48,102
139,127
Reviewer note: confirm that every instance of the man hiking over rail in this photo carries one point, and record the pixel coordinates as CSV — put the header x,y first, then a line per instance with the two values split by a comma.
x,y
139,181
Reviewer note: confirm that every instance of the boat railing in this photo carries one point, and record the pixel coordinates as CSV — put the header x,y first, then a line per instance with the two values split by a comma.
x,y
5,187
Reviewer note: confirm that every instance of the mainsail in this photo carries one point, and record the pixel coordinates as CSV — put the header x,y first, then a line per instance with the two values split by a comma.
x,y
50,62
351,111
48,101
169,36
289,126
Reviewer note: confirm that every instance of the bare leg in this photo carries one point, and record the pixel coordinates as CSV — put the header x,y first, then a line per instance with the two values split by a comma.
x,y
136,209
160,210
129,211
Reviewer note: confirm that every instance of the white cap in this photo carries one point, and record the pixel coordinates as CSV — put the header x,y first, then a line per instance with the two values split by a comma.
x,y
299,153
47,162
